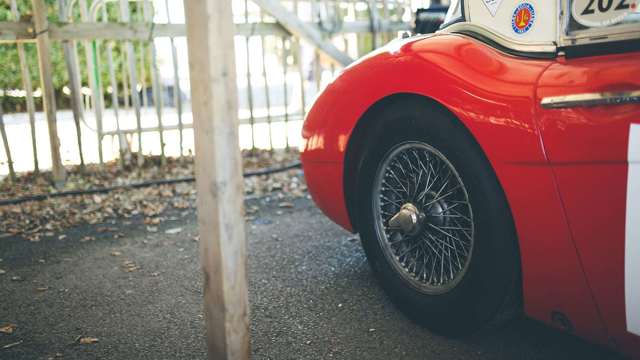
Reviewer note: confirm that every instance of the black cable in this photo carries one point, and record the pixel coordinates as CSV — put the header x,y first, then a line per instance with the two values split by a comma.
x,y
40,197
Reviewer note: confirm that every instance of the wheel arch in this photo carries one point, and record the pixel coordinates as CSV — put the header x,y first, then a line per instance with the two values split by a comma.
x,y
369,125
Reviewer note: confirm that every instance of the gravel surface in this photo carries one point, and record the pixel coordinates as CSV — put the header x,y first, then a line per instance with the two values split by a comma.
x,y
312,297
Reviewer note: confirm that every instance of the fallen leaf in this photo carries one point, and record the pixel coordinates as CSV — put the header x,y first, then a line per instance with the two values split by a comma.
x,y
116,253
87,340
180,204
166,193
152,221
130,266
8,328
35,220
173,231
103,229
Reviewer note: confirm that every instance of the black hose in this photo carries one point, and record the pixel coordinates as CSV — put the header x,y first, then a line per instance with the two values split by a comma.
x,y
40,197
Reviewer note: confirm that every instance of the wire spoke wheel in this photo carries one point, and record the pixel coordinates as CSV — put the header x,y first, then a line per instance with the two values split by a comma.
x,y
423,217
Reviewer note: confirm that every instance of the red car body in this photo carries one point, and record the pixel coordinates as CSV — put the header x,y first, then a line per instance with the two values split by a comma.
x,y
563,171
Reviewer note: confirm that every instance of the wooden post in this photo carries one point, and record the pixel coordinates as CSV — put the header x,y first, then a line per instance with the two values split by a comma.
x,y
125,16
156,84
71,61
7,150
93,73
210,32
177,93
46,80
28,88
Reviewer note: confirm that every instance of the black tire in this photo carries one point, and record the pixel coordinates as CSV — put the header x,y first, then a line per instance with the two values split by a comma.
x,y
488,292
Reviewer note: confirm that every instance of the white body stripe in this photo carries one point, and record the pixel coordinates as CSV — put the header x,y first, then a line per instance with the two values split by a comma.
x,y
632,234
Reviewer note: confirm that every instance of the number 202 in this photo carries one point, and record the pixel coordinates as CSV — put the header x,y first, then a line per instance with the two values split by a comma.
x,y
604,6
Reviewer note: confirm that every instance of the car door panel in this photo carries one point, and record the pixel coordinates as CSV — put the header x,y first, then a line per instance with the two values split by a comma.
x,y
588,150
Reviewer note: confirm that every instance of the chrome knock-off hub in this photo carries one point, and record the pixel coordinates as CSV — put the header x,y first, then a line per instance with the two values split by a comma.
x,y
408,220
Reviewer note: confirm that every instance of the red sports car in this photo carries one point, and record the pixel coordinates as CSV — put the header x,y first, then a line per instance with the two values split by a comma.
x,y
494,167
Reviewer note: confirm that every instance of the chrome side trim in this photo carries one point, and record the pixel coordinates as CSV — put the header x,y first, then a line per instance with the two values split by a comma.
x,y
532,47
591,99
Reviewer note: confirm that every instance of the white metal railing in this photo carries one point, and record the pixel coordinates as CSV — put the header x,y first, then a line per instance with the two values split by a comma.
x,y
132,59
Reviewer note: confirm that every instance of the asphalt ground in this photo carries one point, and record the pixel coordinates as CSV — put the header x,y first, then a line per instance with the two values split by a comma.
x,y
311,292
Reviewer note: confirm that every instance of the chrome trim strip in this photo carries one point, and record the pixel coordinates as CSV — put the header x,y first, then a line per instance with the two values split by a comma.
x,y
591,99
499,39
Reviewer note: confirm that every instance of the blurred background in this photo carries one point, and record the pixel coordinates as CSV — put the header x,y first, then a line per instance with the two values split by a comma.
x,y
122,88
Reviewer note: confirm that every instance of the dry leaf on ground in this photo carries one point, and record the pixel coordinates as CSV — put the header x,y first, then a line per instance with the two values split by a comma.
x,y
38,220
173,231
130,266
87,340
8,328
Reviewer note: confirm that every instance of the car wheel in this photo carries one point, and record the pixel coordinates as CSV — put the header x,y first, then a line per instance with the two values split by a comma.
x,y
435,224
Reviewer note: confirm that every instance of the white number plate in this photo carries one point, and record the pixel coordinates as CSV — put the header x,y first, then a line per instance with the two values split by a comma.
x,y
599,13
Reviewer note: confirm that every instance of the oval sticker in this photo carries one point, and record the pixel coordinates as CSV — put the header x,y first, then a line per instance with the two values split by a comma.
x,y
523,17
599,13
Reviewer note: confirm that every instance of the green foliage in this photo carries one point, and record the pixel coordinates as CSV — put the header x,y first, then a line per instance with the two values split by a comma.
x,y
10,75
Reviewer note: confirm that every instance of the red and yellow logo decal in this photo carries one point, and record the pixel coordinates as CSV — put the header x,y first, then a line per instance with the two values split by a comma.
x,y
523,18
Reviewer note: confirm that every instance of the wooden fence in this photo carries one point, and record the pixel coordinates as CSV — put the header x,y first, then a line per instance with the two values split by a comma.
x,y
286,51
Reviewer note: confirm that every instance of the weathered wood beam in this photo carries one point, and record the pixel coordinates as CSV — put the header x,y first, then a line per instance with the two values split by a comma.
x,y
46,81
219,183
7,149
125,16
93,73
11,32
309,32
28,88
156,84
